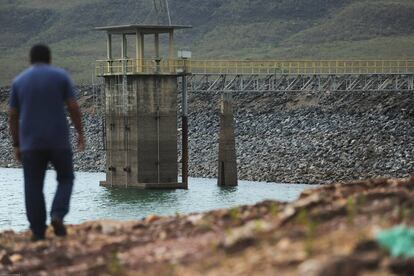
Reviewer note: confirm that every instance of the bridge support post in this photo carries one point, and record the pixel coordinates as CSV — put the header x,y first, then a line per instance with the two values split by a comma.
x,y
411,83
184,122
227,164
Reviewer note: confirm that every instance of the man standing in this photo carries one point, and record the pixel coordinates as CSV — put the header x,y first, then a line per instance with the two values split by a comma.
x,y
40,134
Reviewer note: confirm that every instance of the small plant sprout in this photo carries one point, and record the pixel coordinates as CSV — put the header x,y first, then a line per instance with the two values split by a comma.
x,y
310,237
258,225
114,265
234,213
302,217
362,200
408,213
274,209
310,230
351,210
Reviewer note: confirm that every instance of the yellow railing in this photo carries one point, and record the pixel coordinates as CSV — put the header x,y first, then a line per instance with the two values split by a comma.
x,y
137,66
300,67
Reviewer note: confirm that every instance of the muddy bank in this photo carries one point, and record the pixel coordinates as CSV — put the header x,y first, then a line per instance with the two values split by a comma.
x,y
282,137
327,231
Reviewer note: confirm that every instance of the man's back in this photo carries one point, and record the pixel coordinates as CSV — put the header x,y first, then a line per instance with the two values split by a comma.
x,y
39,93
40,135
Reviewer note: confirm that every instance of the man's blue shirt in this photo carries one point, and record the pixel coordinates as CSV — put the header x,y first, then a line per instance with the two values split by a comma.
x,y
39,94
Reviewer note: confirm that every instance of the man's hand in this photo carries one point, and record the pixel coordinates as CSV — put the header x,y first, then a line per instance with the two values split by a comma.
x,y
81,142
17,154
14,131
75,115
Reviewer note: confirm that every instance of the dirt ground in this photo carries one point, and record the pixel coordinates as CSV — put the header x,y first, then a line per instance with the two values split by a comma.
x,y
327,231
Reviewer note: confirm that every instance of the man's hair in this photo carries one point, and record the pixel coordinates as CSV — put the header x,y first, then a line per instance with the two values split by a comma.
x,y
40,54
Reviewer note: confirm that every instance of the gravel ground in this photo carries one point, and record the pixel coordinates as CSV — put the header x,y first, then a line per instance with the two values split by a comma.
x,y
332,230
281,137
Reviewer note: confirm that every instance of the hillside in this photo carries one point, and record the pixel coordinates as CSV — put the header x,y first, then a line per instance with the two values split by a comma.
x,y
270,29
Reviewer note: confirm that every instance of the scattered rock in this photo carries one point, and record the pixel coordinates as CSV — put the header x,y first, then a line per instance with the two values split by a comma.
x,y
242,237
109,227
151,218
402,266
15,258
5,259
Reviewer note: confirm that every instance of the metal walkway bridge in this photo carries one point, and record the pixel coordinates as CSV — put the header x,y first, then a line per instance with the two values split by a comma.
x,y
274,76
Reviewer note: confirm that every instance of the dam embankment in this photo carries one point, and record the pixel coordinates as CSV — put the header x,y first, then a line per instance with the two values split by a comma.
x,y
311,137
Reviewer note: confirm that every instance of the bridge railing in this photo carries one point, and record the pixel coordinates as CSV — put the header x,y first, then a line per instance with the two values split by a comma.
x,y
249,67
303,67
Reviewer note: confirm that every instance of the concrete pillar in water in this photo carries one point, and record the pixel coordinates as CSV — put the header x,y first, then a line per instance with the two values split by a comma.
x,y
142,143
227,164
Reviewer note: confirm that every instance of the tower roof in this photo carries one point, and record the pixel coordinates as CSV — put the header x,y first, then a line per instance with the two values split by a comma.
x,y
146,29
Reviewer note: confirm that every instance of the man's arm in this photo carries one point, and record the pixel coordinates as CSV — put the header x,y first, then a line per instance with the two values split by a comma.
x,y
14,130
76,117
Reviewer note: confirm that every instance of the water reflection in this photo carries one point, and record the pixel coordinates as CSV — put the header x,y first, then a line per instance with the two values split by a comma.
x,y
225,194
228,190
135,196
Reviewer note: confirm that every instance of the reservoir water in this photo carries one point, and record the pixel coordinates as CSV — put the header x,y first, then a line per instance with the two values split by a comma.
x,y
92,202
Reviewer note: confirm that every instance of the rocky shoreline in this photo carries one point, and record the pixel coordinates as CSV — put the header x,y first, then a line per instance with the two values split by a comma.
x,y
305,137
331,230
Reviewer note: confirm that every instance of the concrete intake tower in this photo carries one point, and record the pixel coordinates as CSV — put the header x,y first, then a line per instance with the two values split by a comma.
x,y
141,110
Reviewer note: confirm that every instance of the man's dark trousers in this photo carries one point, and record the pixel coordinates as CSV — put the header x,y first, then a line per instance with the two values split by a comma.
x,y
34,166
